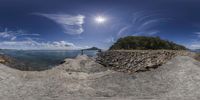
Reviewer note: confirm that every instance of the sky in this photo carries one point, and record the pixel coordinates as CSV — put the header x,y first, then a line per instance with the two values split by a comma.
x,y
77,24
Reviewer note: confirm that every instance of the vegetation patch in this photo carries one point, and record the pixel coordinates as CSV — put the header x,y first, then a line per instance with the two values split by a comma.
x,y
145,43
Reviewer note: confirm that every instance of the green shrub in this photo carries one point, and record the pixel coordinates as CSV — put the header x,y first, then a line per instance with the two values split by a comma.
x,y
145,43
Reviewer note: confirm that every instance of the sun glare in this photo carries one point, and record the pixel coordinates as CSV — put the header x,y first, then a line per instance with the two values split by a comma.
x,y
100,19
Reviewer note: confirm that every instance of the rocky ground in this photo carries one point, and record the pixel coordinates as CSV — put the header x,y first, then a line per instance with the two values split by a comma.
x,y
17,64
138,60
197,56
84,79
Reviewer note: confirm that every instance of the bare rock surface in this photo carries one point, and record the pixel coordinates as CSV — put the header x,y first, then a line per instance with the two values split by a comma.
x,y
138,60
84,79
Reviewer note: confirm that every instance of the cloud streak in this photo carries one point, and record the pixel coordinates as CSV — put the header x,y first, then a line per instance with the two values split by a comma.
x,y
110,40
194,45
34,45
197,33
28,41
143,23
72,25
13,35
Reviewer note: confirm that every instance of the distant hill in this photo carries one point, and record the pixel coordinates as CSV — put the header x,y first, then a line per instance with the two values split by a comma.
x,y
92,48
145,43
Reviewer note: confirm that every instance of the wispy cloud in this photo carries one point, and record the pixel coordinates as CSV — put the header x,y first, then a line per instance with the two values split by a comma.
x,y
153,32
71,24
197,33
195,44
123,30
13,35
110,40
143,23
34,45
63,44
31,41
7,34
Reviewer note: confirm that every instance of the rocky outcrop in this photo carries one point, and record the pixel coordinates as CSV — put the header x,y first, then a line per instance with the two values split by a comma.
x,y
84,79
16,64
197,56
4,59
137,60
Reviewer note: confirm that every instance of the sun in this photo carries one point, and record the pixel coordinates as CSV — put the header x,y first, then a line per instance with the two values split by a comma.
x,y
100,19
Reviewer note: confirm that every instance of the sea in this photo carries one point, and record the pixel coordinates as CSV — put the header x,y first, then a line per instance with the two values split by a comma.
x,y
44,59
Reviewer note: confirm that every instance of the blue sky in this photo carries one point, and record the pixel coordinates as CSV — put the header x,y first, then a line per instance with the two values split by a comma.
x,y
71,24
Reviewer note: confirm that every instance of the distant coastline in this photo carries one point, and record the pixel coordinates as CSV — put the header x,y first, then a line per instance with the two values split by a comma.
x,y
38,60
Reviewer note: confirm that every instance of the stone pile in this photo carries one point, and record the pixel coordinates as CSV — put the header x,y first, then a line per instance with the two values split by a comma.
x,y
137,60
